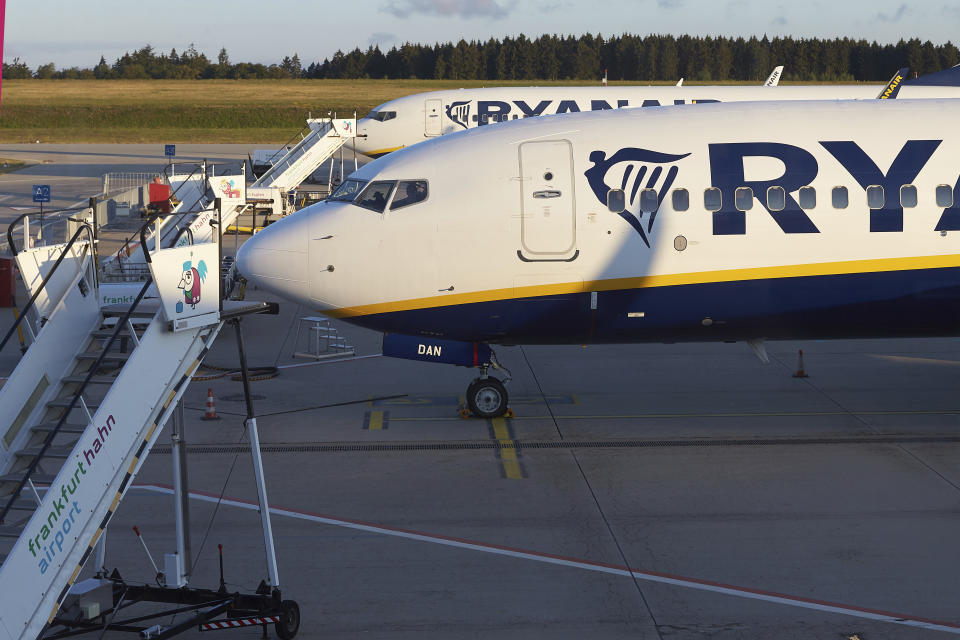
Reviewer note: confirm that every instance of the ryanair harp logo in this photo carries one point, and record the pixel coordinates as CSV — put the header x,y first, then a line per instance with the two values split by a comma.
x,y
633,170
459,112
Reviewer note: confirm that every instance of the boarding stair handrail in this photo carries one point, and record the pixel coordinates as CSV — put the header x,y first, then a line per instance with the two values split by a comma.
x,y
282,151
125,248
126,243
63,254
121,324
292,156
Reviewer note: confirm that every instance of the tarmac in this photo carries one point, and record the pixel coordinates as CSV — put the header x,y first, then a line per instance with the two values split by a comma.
x,y
640,491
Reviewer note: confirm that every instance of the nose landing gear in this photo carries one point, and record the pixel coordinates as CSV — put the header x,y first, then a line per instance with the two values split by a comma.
x,y
487,396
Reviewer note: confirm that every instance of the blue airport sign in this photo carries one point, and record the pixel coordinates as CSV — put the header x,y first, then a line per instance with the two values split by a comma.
x,y
41,193
170,150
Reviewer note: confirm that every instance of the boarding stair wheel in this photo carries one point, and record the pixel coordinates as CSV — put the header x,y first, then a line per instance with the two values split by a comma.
x,y
289,623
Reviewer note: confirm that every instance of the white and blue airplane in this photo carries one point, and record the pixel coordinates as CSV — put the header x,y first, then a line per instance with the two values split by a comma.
x,y
411,119
734,221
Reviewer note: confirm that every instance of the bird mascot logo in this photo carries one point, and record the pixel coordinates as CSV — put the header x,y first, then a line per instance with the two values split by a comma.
x,y
190,283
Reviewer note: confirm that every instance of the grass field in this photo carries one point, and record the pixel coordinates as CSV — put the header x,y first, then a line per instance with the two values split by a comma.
x,y
252,111
255,111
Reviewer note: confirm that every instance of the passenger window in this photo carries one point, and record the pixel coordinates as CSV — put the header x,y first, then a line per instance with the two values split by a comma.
x,y
840,198
375,196
616,200
681,199
712,199
944,196
908,196
409,192
776,199
807,198
475,118
875,196
743,198
648,200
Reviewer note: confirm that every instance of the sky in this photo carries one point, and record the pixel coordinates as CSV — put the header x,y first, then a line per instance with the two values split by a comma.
x,y
70,33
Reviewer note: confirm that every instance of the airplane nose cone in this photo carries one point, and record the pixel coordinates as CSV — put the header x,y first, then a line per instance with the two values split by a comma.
x,y
276,258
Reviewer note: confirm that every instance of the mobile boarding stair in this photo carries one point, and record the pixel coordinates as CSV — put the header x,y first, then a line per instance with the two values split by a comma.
x,y
326,137
197,191
78,416
202,197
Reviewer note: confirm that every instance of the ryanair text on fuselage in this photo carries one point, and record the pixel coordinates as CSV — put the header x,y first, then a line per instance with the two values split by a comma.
x,y
490,111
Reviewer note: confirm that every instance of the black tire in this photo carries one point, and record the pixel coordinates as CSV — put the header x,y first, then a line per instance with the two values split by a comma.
x,y
487,398
289,623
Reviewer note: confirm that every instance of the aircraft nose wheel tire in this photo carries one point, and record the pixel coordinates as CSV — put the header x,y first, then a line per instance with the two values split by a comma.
x,y
487,398
289,622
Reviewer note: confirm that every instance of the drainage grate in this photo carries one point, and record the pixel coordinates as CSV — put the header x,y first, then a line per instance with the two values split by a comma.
x,y
347,447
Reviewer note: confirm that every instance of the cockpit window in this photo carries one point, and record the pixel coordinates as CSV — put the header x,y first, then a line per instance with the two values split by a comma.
x,y
347,190
382,116
409,192
375,196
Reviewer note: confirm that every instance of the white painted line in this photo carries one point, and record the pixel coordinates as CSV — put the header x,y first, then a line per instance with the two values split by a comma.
x,y
636,574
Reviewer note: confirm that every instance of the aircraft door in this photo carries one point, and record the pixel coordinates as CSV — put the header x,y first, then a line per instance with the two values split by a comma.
x,y
548,227
432,125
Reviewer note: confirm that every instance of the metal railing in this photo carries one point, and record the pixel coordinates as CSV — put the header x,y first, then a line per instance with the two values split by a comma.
x,y
116,181
63,254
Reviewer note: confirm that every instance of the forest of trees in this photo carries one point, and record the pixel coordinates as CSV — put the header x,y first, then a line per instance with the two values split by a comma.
x,y
549,57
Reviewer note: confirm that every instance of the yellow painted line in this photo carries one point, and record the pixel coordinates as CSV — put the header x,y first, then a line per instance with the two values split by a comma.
x,y
665,280
508,453
511,466
500,431
376,421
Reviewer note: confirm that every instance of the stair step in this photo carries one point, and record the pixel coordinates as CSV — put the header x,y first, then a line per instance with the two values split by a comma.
x,y
21,504
51,452
146,309
103,334
65,402
112,356
78,379
10,532
37,477
67,427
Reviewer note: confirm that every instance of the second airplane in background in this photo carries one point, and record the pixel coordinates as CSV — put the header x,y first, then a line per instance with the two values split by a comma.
x,y
411,119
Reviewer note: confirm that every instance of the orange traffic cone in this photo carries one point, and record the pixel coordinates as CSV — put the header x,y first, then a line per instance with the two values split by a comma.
x,y
211,412
801,372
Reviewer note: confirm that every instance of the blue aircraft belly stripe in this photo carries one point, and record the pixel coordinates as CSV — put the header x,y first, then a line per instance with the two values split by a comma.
x,y
920,302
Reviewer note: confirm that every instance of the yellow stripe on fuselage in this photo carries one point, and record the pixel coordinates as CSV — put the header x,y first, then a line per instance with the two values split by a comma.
x,y
665,280
381,152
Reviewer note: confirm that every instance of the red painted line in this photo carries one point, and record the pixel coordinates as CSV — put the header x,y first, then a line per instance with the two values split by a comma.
x,y
677,580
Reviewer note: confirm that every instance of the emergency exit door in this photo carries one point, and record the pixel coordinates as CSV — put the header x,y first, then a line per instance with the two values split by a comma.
x,y
432,125
548,228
